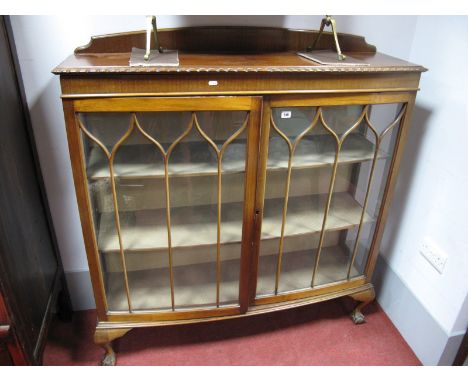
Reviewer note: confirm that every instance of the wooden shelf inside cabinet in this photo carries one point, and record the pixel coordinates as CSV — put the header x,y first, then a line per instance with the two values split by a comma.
x,y
196,226
144,161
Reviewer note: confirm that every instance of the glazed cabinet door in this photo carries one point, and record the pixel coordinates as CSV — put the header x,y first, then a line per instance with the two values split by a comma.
x,y
322,181
165,185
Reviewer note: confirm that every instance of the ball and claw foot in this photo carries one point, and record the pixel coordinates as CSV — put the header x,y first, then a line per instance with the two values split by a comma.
x,y
108,360
357,317
364,298
104,338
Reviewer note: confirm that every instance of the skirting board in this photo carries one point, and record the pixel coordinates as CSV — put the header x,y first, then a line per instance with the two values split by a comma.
x,y
429,341
431,344
81,290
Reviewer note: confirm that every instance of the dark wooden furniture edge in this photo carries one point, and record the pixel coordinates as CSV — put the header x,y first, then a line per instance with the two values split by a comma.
x,y
65,309
60,292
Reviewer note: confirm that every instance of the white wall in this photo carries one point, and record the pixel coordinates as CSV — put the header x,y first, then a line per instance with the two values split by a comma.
x,y
430,197
431,192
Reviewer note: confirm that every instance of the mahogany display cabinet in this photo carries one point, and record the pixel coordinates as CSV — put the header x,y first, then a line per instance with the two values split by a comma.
x,y
245,180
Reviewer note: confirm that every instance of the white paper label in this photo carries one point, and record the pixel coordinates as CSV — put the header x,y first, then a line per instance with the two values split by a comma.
x,y
213,83
286,114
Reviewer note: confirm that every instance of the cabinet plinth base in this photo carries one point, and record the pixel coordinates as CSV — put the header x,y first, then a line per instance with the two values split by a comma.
x,y
364,298
104,338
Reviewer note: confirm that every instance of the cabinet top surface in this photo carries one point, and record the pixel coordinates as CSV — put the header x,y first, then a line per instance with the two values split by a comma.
x,y
228,49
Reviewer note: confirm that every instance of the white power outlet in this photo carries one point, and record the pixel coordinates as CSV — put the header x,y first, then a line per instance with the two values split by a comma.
x,y
436,257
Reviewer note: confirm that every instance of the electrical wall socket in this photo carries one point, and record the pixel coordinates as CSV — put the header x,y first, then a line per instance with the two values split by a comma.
x,y
432,253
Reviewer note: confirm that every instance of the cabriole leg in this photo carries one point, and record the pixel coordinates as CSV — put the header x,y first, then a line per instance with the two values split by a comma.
x,y
104,338
364,298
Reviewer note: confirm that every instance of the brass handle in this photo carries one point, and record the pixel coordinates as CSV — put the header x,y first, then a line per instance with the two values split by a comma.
x,y
151,26
327,21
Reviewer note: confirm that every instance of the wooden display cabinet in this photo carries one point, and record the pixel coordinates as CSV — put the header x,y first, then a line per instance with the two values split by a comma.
x,y
246,180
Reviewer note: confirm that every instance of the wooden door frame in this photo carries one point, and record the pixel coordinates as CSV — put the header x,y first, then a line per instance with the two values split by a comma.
x,y
299,100
151,104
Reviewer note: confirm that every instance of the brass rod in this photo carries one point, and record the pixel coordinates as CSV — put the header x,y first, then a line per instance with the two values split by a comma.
x,y
339,143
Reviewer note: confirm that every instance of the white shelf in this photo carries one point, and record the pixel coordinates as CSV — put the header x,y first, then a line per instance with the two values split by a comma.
x,y
197,159
197,226
195,285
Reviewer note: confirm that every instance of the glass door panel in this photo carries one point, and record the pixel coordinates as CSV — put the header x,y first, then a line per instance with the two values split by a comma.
x,y
326,174
167,192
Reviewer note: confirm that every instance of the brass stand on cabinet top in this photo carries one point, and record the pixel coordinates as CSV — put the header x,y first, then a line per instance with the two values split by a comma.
x,y
155,257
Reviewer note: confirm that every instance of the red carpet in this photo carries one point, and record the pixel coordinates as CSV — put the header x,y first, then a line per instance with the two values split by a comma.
x,y
319,334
